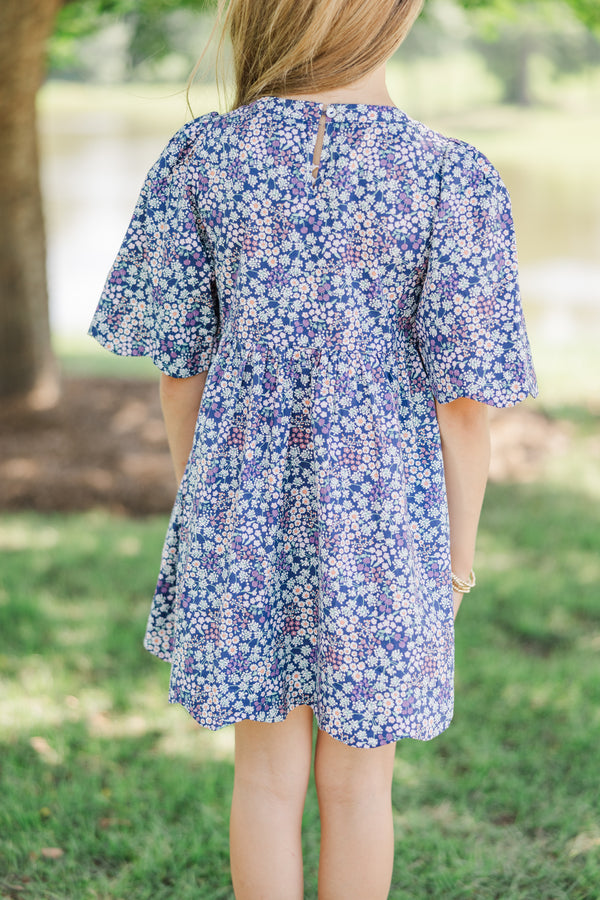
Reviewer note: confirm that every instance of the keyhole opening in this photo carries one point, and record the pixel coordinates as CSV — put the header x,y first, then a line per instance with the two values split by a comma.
x,y
318,146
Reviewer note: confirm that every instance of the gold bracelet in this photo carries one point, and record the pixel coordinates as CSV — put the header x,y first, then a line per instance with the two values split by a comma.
x,y
463,587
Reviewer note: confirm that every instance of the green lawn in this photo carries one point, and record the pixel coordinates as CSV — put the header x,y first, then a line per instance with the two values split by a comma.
x,y
95,762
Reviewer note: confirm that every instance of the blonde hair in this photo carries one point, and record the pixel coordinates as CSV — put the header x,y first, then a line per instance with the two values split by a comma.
x,y
285,47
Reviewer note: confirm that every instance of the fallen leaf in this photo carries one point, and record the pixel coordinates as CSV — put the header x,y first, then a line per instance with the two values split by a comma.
x,y
108,822
43,748
52,852
583,843
45,812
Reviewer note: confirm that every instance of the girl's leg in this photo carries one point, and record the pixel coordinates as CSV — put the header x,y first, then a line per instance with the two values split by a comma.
x,y
354,788
272,768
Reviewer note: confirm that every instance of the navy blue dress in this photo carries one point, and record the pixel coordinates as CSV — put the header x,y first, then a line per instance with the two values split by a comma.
x,y
307,558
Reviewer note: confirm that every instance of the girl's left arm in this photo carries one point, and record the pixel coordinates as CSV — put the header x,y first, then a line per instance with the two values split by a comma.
x,y
180,401
465,436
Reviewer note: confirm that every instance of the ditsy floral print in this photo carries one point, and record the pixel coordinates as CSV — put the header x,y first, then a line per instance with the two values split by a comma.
x,y
307,556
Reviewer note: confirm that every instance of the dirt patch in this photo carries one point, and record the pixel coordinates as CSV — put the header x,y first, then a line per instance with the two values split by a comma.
x,y
105,445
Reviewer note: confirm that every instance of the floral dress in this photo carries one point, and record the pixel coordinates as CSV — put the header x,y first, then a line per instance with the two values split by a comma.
x,y
307,557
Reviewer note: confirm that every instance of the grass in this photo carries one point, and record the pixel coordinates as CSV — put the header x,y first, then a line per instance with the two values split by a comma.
x,y
95,762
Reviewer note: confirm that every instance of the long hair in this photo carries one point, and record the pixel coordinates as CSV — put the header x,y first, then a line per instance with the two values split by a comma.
x,y
298,46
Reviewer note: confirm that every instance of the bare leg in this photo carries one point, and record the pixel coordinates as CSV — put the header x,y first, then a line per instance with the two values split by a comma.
x,y
357,832
272,768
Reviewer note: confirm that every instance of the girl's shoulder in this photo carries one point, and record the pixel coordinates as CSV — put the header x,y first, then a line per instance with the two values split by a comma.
x,y
182,148
204,135
456,157
453,159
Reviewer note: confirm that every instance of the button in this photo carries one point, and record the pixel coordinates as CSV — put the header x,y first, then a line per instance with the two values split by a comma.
x,y
330,111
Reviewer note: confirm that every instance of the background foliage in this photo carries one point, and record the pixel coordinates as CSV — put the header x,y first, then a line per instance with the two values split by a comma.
x,y
161,39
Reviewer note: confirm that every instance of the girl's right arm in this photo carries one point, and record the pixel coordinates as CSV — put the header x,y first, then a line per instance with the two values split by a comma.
x,y
180,401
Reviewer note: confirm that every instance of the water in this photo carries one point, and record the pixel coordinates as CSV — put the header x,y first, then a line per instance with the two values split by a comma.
x,y
92,171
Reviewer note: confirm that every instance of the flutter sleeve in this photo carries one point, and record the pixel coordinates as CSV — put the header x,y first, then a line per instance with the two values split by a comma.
x,y
470,326
160,298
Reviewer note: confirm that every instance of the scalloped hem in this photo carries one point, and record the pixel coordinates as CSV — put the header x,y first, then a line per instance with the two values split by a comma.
x,y
275,715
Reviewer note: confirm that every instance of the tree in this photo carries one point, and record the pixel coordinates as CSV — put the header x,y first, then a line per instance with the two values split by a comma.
x,y
26,362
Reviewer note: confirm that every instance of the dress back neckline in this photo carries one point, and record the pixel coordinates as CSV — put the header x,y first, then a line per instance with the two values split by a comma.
x,y
337,110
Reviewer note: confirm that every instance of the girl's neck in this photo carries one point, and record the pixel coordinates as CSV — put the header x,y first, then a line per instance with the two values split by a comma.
x,y
371,89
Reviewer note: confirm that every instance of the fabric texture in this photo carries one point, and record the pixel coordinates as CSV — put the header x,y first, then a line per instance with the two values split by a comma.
x,y
307,557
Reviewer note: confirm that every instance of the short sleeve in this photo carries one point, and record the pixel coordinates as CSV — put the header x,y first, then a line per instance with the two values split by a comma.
x,y
160,298
470,326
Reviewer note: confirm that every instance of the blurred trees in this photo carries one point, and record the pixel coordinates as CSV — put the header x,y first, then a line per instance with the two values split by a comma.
x,y
516,40
150,30
587,11
509,36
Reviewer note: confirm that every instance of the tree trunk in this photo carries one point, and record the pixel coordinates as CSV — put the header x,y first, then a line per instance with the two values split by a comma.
x,y
519,89
28,372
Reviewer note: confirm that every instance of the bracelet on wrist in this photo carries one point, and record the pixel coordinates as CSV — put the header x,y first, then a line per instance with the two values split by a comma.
x,y
463,587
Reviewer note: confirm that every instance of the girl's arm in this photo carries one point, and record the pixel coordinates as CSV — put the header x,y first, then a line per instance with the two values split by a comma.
x,y
464,429
180,401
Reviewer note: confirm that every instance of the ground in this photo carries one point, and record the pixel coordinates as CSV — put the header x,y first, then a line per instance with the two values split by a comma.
x,y
104,445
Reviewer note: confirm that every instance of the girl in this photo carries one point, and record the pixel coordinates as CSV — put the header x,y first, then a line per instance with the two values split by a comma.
x,y
329,289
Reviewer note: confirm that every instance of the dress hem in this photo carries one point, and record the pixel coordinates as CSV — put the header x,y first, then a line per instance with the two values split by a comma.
x,y
271,718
